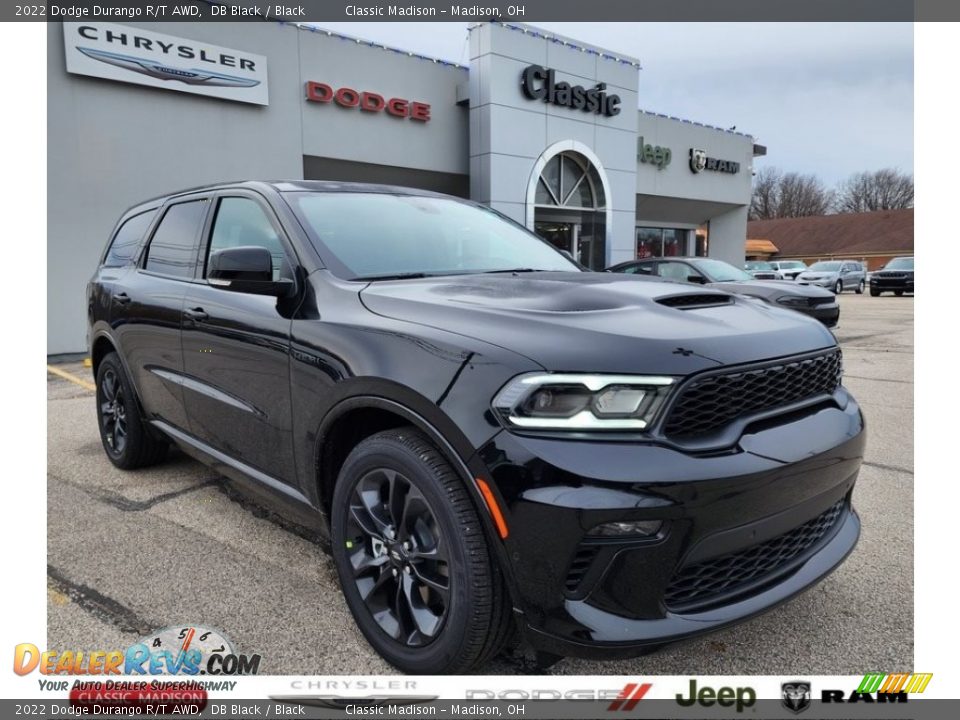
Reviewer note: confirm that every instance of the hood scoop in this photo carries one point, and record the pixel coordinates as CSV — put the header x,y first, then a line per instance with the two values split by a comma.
x,y
696,300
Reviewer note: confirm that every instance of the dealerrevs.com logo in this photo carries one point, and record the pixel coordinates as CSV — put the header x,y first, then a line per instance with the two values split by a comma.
x,y
176,650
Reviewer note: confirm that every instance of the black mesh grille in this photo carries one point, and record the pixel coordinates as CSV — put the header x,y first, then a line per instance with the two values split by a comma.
x,y
711,402
698,300
701,583
582,560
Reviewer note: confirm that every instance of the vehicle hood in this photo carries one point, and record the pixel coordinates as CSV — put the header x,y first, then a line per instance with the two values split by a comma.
x,y
772,288
892,273
600,322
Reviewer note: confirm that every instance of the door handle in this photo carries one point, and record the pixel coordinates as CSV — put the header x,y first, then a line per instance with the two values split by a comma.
x,y
122,298
196,314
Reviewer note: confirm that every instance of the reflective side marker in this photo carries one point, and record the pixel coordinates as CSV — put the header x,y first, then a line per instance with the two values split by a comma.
x,y
494,509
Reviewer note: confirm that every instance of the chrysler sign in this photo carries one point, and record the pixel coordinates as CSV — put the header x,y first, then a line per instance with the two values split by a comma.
x,y
144,57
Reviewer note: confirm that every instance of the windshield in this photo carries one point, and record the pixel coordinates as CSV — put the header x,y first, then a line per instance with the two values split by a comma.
x,y
371,235
719,271
825,266
900,264
758,265
792,265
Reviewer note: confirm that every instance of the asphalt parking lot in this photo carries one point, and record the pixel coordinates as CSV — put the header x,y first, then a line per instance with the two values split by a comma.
x,y
133,552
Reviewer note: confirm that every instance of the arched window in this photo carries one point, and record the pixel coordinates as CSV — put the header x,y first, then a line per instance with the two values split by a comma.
x,y
569,180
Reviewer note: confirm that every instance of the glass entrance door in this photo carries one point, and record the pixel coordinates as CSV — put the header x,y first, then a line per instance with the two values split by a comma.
x,y
562,235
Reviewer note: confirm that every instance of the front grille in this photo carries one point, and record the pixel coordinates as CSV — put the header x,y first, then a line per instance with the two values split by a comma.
x,y
893,276
711,402
703,583
694,301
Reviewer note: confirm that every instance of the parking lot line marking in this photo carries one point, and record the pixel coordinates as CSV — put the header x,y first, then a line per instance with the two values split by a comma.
x,y
71,377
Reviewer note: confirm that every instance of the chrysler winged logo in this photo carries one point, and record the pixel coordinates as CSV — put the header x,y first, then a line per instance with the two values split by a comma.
x,y
167,72
698,160
796,695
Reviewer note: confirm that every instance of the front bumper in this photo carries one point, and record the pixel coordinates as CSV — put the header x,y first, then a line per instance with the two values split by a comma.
x,y
582,596
828,313
891,284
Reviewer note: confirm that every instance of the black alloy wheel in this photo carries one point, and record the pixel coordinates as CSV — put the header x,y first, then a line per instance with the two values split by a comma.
x,y
399,557
414,562
126,439
113,412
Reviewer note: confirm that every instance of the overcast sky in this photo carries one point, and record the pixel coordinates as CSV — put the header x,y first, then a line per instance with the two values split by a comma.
x,y
825,98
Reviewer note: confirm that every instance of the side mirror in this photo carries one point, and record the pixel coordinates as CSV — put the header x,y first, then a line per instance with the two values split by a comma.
x,y
247,269
698,279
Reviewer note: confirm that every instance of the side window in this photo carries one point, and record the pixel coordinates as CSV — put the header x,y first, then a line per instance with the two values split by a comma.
x,y
126,243
241,222
640,269
173,249
675,271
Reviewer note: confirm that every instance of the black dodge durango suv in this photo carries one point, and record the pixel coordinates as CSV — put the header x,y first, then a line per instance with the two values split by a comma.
x,y
488,439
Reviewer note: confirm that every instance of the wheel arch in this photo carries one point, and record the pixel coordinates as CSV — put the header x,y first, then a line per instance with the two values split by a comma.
x,y
355,418
102,346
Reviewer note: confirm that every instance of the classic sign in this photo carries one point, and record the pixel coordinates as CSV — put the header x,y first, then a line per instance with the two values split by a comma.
x,y
540,83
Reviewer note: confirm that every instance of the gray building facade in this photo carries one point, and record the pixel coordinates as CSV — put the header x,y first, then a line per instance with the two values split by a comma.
x,y
543,128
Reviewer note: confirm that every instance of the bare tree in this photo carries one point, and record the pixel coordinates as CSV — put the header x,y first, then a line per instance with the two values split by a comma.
x,y
887,189
777,194
763,202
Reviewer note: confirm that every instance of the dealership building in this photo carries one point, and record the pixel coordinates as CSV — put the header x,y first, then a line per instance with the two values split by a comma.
x,y
546,129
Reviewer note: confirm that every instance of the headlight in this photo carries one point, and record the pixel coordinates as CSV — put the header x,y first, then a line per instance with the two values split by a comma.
x,y
793,301
562,401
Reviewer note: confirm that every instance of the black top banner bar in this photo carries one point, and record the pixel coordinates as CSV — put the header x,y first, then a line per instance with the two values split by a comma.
x,y
517,10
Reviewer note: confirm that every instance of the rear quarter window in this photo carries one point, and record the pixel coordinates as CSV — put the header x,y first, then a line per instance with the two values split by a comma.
x,y
125,245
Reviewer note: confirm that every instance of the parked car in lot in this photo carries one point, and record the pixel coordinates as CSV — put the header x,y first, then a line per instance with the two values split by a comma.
x,y
761,270
789,268
487,438
837,275
813,301
896,277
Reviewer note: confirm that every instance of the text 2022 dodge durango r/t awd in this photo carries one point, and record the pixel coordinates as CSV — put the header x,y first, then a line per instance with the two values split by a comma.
x,y
489,438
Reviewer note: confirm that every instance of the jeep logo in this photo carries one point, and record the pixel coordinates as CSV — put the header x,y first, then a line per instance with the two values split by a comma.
x,y
742,697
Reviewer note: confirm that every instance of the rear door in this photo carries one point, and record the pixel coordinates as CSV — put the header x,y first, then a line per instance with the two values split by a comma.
x,y
237,346
147,304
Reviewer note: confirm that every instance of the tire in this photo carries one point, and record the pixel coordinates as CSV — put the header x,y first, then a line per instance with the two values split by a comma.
x,y
838,288
874,293
126,439
861,287
898,293
432,533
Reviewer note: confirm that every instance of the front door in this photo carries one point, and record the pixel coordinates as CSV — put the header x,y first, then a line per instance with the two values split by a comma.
x,y
236,348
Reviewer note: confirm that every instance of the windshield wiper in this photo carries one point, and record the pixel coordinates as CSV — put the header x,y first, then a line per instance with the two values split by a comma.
x,y
398,276
516,270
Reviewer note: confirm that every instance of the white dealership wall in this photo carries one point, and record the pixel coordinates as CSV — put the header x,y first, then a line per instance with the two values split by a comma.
x,y
112,143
